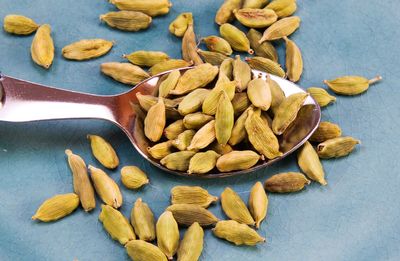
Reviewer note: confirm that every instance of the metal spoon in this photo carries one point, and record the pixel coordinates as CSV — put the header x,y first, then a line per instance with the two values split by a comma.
x,y
22,101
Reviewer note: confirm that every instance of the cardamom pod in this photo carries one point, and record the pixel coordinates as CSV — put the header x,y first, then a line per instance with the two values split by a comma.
x,y
326,131
321,96
266,65
277,95
337,147
189,46
287,112
286,182
57,207
133,178
239,234
258,203
294,60
178,160
140,250
106,187
161,150
116,225
254,3
147,101
196,120
226,68
172,131
183,140
19,24
213,58
82,186
240,102
261,136
283,8
195,78
225,12
169,83
239,131
146,58
217,44
86,49
309,163
193,101
179,26
241,73
42,48
236,38
203,137
192,195
235,208
167,234
187,214
131,21
266,118
351,85
237,160
259,93
191,245
224,119
124,72
281,28
154,122
142,220
152,8
255,18
210,103
168,65
103,152
265,49
220,149
203,162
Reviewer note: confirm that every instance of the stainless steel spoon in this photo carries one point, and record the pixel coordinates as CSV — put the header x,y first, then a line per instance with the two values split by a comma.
x,y
22,101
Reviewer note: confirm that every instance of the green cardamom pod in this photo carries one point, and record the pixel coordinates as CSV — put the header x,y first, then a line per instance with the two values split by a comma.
x,y
203,137
220,149
154,122
86,49
142,220
189,46
217,44
321,96
191,245
57,207
196,120
127,20
179,26
152,8
265,49
210,103
187,214
235,208
254,3
103,151
167,234
281,28
203,162
146,58
224,119
193,101
172,131
337,147
239,234
294,60
326,131
42,48
183,140
236,38
133,178
258,203
192,195
255,18
168,65
237,160
225,12
351,85
239,131
169,83
213,58
259,93
309,163
283,8
286,182
277,94
241,73
124,72
19,24
161,150
266,65
226,68
178,160
140,250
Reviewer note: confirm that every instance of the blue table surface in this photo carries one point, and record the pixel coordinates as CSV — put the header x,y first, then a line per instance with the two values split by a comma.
x,y
355,217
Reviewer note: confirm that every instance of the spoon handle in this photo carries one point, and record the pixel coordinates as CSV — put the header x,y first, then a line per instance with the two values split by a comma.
x,y
22,101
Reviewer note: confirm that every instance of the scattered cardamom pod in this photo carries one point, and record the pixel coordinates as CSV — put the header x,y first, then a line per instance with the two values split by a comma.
x,y
147,101
196,120
258,203
167,65
152,8
294,60
277,95
142,220
220,149
187,214
326,131
42,48
19,24
154,122
309,163
265,49
236,38
127,20
239,234
203,162
224,119
167,234
254,3
193,101
179,26
283,8
178,160
226,69
140,250
241,73
124,72
281,28
172,131
337,147
183,140
161,150
237,160
286,182
235,208
210,103
213,58
259,93
217,44
192,195
351,85
133,178
169,83
321,96
255,18
146,58
239,131
191,245
203,137
225,12
265,65
57,207
189,46
86,49
103,152
240,103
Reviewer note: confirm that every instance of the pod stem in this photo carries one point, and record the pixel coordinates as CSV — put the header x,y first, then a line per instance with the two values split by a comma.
x,y
376,79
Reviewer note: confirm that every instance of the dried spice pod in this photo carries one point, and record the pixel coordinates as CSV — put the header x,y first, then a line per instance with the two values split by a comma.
x,y
237,160
239,131
225,12
124,72
167,234
133,178
192,195
226,68
82,186
236,38
203,137
203,162
86,49
191,245
57,207
189,46
187,214
210,103
142,220
266,118
266,65
261,136
178,160
326,131
152,8
235,208
294,60
170,64
258,203
255,18
217,44
241,73
106,187
193,101
161,150
239,234
220,149
146,58
154,122
254,3
169,83
127,20
42,48
277,94
265,49
213,58
196,120
287,112
19,24
179,26
351,85
147,101
183,140
286,182
259,93
283,8
240,102
281,28
309,163
172,131
103,151
116,225
337,147
321,96
224,119
140,250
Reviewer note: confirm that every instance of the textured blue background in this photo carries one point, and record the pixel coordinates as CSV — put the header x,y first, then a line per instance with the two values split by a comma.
x,y
356,217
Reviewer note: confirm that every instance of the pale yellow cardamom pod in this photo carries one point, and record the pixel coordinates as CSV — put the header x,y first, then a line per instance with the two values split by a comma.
x,y
213,58
337,147
192,195
133,178
196,120
210,103
258,203
309,163
42,48
254,3
203,137
236,38
193,101
127,20
142,251
240,102
152,8
281,28
57,207
103,152
283,8
124,72
286,182
239,131
321,96
235,208
217,44
178,160
154,122
255,18
187,214
161,150
237,160
224,119
169,83
142,220
294,60
265,65
226,69
191,245
326,131
189,46
170,64
172,131
265,49
277,95
259,93
203,162
183,140
225,12
86,49
147,101
241,73
351,85
19,24
179,26
239,234
220,149
167,234
146,58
